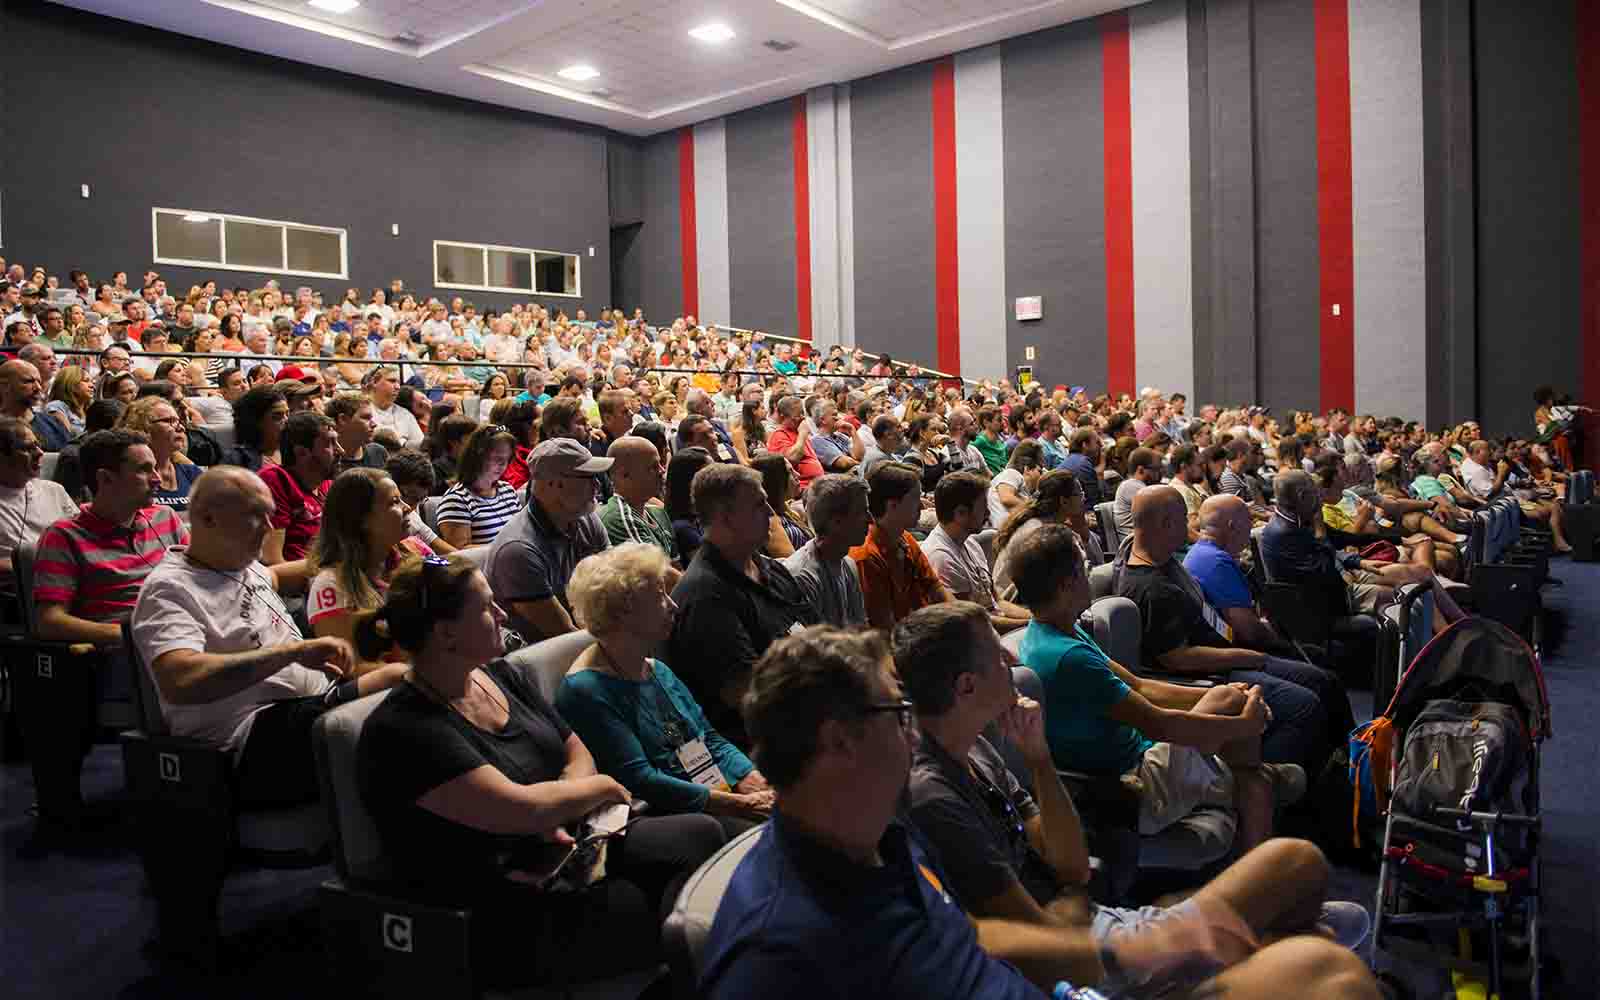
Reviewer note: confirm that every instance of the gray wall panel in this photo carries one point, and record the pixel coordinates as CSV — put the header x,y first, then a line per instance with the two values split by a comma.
x,y
1288,290
1450,231
658,249
195,138
1055,202
891,134
761,233
623,166
1529,280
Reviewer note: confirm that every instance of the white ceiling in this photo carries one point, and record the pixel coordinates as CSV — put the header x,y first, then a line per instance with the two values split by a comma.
x,y
652,75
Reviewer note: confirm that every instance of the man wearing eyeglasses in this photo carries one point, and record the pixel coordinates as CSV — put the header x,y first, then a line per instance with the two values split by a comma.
x,y
1009,855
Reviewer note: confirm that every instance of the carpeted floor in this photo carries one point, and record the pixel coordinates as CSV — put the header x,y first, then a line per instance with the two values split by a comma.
x,y
74,926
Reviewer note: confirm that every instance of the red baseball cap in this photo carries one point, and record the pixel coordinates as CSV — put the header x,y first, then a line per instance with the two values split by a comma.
x,y
295,373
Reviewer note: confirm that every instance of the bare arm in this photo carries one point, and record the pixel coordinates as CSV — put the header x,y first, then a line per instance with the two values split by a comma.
x,y
1248,628
56,623
1209,660
485,799
190,677
545,614
1044,953
343,626
1202,731
272,548
580,763
456,533
778,544
291,577
1158,693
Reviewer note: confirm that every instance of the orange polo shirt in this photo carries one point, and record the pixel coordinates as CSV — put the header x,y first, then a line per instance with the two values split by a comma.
x,y
894,591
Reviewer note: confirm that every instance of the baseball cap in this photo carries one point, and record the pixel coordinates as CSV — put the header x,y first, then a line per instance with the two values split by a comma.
x,y
296,373
560,457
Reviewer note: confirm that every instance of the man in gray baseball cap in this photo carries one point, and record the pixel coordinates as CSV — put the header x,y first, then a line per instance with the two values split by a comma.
x,y
531,560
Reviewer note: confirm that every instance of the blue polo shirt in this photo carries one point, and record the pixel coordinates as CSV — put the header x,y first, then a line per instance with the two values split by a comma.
x,y
800,920
1218,575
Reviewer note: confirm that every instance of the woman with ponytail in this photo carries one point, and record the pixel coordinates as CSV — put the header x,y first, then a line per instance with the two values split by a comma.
x,y
1057,500
477,786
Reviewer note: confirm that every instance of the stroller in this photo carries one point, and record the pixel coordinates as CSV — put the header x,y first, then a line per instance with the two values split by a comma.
x,y
1460,872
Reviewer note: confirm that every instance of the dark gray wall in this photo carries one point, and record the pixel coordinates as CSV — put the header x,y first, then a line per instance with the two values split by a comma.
x,y
1529,264
222,130
1055,208
655,261
891,135
761,233
624,164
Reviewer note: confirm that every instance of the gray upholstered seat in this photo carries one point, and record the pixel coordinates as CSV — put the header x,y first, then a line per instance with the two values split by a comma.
x,y
548,661
689,923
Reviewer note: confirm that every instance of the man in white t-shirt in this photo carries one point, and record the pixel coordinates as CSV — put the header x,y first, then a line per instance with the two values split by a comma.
x,y
385,386
953,550
1484,481
229,664
28,504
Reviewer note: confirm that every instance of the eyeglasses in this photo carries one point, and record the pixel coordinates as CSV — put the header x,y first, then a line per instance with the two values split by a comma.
x,y
906,711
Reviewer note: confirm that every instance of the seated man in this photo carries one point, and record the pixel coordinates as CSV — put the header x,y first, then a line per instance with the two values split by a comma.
x,y
21,392
953,550
792,439
637,478
28,504
532,558
1106,720
1485,483
1010,855
733,601
889,442
852,903
836,506
229,664
1144,469
1181,633
831,443
1213,562
311,453
896,577
351,414
1294,553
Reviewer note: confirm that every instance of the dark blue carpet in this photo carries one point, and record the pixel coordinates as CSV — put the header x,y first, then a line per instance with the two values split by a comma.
x,y
74,925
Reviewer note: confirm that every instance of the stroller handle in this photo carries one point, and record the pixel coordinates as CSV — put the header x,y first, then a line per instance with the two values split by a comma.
x,y
1516,819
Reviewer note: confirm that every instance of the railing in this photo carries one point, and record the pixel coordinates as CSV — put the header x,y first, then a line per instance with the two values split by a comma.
x,y
930,372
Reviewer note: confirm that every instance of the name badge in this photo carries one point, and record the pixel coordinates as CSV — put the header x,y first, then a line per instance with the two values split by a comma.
x,y
1216,622
699,766
796,628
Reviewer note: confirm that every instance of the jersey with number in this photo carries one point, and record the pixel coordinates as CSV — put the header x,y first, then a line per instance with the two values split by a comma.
x,y
328,596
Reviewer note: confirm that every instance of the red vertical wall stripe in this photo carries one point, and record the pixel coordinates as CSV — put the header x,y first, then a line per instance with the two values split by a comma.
x,y
802,222
688,258
1117,99
1589,199
1335,215
946,272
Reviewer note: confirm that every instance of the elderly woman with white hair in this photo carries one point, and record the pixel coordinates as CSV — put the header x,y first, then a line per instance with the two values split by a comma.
x,y
642,724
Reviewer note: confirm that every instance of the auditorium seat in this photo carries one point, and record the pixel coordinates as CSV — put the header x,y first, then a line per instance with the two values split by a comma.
x,y
683,937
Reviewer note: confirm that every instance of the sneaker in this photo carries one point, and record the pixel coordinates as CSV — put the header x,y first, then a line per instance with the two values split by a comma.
x,y
1288,782
1347,922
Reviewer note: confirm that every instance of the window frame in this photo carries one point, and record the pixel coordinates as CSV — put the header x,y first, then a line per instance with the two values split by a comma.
x,y
283,242
533,269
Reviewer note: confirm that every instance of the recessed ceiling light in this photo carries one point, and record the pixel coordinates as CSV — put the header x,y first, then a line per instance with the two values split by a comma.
x,y
196,217
335,6
580,72
713,32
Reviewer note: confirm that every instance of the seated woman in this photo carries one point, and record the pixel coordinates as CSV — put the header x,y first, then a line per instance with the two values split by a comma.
x,y
643,726
476,784
70,396
1058,500
364,537
121,386
521,418
1017,482
258,419
686,529
1351,505
156,418
481,502
787,529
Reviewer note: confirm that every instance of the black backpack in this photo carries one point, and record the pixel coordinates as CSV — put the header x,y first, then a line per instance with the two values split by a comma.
x,y
1462,755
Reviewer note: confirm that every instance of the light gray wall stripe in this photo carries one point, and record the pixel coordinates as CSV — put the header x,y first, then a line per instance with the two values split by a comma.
x,y
822,172
1163,302
761,228
711,221
1289,279
1386,151
844,143
1055,202
892,147
980,213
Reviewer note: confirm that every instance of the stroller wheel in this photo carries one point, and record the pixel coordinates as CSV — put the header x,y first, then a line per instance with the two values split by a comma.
x,y
1395,988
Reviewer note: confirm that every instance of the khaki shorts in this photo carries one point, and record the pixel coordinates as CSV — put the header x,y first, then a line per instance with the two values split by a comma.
x,y
1177,781
1367,588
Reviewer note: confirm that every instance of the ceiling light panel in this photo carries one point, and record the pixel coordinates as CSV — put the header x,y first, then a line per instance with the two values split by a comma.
x,y
580,72
713,33
334,6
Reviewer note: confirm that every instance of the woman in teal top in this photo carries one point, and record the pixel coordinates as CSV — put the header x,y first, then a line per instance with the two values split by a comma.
x,y
640,722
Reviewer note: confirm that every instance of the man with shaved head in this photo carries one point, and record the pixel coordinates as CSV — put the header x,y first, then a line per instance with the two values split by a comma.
x,y
638,477
21,393
1181,632
229,664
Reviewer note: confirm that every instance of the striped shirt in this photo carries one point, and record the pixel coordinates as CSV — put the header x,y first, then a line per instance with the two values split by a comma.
x,y
1232,483
96,567
485,515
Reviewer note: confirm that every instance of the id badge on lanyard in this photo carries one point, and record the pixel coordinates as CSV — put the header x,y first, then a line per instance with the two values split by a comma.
x,y
699,765
1216,621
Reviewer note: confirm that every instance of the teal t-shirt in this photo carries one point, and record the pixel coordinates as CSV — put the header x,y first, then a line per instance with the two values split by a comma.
x,y
1428,487
1079,689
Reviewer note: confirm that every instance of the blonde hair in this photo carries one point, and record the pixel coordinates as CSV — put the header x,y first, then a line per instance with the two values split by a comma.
x,y
62,389
605,587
